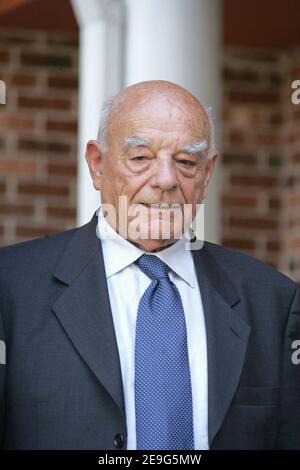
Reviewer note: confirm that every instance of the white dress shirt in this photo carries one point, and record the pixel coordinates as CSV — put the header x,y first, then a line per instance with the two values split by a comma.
x,y
126,285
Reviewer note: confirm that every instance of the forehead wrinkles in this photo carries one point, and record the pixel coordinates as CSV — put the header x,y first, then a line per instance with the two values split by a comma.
x,y
164,120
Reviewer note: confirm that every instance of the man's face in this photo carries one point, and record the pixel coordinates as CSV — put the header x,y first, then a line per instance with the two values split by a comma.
x,y
148,161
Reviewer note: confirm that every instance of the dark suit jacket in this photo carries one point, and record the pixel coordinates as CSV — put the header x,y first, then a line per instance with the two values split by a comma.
x,y
62,385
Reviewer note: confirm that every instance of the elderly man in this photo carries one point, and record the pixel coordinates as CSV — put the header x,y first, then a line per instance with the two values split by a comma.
x,y
120,336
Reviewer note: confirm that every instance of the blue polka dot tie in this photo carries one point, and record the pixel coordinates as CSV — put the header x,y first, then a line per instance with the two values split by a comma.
x,y
163,394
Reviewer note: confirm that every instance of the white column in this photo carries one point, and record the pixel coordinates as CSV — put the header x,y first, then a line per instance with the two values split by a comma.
x,y
100,75
180,41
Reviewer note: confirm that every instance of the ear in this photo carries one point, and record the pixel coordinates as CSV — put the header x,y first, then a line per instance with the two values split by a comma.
x,y
209,166
94,158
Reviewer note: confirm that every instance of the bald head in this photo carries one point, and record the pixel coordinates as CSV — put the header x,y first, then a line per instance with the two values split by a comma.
x,y
165,99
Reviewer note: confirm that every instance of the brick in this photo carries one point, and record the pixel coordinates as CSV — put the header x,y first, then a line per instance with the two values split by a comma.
x,y
46,60
36,145
253,223
238,243
294,244
4,57
276,127
296,158
38,126
16,209
255,97
62,169
70,83
274,77
239,201
255,54
62,126
230,159
296,114
16,122
292,138
62,212
292,223
241,75
254,181
295,72
23,80
236,137
276,119
273,245
294,201
243,116
274,203
42,189
33,232
18,166
226,116
267,139
38,102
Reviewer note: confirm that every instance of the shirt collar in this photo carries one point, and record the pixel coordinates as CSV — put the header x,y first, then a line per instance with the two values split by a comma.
x,y
119,253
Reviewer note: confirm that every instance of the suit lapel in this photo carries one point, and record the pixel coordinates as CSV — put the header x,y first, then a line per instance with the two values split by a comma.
x,y
84,310
227,336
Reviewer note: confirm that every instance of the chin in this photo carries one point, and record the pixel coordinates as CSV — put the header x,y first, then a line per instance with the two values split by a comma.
x,y
152,245
158,231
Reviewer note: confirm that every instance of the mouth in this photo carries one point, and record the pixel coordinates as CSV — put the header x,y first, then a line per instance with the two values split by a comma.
x,y
161,206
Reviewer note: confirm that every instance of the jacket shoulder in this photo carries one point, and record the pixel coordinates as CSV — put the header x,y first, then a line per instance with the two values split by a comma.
x,y
34,253
245,268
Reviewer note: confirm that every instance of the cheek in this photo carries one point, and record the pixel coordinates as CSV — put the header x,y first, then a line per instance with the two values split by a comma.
x,y
119,181
192,189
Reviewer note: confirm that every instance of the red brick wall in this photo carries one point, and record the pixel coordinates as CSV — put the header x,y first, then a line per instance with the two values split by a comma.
x,y
261,141
290,257
38,133
260,154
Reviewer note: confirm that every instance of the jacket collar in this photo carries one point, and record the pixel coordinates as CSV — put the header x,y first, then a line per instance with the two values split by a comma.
x,y
85,313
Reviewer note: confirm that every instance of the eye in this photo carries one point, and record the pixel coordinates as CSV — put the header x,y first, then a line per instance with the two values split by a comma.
x,y
139,158
187,162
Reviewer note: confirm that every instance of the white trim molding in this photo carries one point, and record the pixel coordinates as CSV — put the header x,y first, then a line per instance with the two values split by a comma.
x,y
100,75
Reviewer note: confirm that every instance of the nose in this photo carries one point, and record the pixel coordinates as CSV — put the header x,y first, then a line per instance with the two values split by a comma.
x,y
164,175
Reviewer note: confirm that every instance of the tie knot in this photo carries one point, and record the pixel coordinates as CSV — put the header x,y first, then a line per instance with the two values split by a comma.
x,y
151,265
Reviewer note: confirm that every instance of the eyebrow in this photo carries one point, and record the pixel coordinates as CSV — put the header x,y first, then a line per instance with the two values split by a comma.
x,y
136,141
194,149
